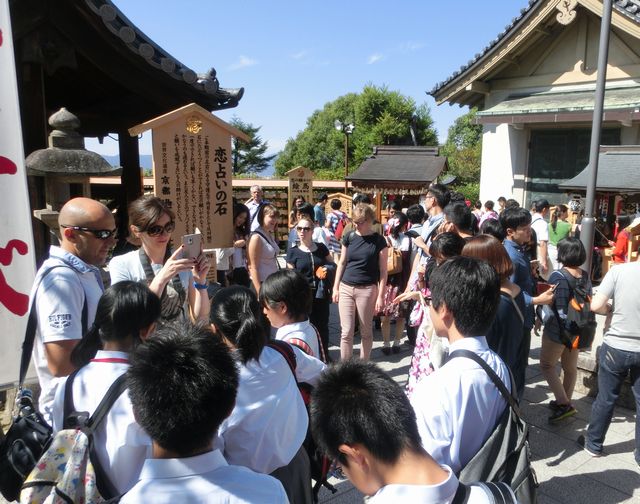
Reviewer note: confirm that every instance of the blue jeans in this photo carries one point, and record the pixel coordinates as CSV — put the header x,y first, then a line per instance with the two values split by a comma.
x,y
613,368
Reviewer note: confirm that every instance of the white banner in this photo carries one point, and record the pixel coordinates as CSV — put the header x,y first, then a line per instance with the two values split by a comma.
x,y
17,264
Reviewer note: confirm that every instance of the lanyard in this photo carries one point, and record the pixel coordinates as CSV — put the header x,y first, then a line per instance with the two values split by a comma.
x,y
118,360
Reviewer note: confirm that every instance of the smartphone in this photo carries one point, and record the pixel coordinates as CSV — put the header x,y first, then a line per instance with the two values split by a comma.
x,y
192,244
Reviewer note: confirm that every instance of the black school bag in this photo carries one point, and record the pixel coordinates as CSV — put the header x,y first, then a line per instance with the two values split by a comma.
x,y
505,456
579,328
320,464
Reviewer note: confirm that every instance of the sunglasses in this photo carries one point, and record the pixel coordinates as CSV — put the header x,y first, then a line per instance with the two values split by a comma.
x,y
300,228
157,230
101,234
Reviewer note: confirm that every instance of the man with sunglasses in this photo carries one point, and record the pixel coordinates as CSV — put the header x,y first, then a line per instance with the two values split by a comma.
x,y
67,288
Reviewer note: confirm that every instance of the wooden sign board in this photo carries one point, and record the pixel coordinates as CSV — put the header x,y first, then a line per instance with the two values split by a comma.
x,y
345,199
300,184
192,171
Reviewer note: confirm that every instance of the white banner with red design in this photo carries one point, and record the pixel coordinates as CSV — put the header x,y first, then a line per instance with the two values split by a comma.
x,y
17,262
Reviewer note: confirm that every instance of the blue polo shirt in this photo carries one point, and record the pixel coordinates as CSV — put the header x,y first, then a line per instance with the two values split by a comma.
x,y
522,277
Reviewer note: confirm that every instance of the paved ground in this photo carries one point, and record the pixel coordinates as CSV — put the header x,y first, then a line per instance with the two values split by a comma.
x,y
565,472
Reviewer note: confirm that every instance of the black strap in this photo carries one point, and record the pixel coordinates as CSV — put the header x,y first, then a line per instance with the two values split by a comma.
x,y
256,212
284,349
499,492
176,283
272,243
511,401
462,494
32,325
115,390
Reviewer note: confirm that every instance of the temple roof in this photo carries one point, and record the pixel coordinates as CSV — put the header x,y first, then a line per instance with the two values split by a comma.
x,y
617,171
629,9
100,65
399,167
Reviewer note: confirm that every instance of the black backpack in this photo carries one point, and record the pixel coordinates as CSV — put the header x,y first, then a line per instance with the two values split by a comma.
x,y
505,456
579,328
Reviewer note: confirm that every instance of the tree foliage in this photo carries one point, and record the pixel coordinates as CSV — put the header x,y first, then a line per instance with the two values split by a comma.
x,y
380,116
463,149
248,157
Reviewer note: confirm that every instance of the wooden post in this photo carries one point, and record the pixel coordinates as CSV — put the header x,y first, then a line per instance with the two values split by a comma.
x,y
131,187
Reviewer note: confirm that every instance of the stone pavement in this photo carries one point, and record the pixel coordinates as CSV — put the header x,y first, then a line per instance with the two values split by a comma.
x,y
566,473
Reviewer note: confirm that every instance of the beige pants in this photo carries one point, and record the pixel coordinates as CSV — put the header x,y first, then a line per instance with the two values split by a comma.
x,y
356,301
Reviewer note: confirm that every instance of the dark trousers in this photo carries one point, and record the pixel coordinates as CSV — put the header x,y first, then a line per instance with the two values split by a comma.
x,y
519,371
614,365
319,317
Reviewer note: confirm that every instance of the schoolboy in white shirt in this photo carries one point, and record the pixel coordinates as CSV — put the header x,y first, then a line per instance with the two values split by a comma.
x,y
363,419
457,407
183,384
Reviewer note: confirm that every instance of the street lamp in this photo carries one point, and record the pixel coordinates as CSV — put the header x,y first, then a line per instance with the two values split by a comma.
x,y
347,129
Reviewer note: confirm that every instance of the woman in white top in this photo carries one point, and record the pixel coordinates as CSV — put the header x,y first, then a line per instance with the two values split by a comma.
x,y
262,253
285,297
126,315
268,425
179,282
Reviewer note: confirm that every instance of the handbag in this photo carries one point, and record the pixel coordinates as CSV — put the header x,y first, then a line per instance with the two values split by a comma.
x,y
394,260
29,434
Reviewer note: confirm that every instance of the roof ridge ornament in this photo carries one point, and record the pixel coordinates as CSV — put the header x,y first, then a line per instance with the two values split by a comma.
x,y
567,12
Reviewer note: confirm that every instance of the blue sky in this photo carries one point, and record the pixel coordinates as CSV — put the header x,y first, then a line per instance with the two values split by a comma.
x,y
293,57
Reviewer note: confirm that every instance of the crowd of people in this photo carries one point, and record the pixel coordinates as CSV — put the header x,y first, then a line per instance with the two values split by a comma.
x,y
214,410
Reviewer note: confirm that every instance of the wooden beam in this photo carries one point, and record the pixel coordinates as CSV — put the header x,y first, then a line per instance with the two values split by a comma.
x,y
131,187
478,87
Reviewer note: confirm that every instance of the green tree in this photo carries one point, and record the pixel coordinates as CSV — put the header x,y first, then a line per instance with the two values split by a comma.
x,y
381,117
248,157
463,149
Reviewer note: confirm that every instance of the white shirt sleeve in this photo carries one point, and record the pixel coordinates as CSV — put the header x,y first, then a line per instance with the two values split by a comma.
x,y
119,270
59,302
308,369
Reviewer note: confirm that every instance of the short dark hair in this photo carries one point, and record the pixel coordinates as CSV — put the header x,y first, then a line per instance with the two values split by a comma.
x,y
514,217
446,245
511,203
623,221
356,402
289,287
540,204
456,197
146,210
395,204
236,313
489,204
415,214
571,252
470,289
124,309
182,383
440,193
361,198
478,205
335,204
494,228
306,209
459,215
323,197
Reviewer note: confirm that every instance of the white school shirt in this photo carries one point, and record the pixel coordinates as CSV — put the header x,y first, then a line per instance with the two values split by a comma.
x,y
458,406
303,331
203,479
442,493
120,442
269,421
59,303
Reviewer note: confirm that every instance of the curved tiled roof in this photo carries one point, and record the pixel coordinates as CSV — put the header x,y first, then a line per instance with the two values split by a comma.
x,y
629,8
141,45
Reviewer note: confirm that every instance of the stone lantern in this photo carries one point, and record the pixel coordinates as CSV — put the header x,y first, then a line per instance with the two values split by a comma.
x,y
66,167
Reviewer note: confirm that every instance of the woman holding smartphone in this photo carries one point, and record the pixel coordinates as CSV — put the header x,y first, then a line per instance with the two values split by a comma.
x,y
180,282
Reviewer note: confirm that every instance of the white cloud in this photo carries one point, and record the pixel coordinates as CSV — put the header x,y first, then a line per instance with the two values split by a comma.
x,y
243,62
276,145
299,55
374,58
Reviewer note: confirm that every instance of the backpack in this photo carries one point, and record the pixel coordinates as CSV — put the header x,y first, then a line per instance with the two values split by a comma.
x,y
342,223
498,493
29,434
69,470
320,463
579,328
505,456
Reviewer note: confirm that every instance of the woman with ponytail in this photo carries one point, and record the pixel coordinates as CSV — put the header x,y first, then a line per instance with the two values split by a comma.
x,y
126,315
559,229
269,423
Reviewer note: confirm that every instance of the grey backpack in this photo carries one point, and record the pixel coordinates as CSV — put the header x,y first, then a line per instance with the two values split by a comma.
x,y
505,456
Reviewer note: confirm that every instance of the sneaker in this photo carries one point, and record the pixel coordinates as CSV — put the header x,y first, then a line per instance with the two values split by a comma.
x,y
386,350
395,349
552,405
561,412
583,444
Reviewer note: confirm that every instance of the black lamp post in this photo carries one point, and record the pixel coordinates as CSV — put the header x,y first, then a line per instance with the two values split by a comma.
x,y
347,129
